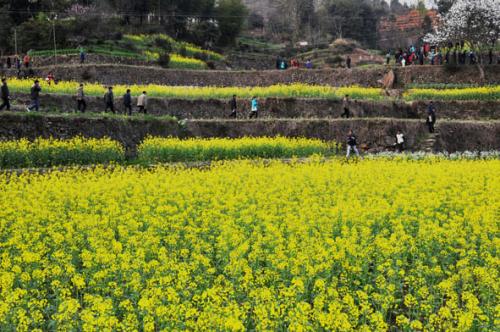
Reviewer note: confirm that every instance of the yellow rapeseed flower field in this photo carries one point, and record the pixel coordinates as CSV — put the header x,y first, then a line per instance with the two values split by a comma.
x,y
298,90
475,93
317,246
157,149
52,152
293,90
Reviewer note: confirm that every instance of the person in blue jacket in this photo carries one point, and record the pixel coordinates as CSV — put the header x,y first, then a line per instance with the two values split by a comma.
x,y
255,108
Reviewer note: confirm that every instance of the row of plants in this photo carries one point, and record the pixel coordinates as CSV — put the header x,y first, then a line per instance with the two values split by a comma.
x,y
197,149
192,92
176,61
165,42
85,151
92,50
252,246
486,93
489,93
55,152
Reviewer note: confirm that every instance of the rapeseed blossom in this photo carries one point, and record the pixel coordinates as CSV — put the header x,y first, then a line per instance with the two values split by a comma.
x,y
155,149
196,92
247,245
298,90
52,152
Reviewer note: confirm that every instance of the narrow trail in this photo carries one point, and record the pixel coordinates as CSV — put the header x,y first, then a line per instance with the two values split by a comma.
x,y
429,145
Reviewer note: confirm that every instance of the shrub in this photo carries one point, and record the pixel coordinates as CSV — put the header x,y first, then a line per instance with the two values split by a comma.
x,y
164,60
334,61
164,44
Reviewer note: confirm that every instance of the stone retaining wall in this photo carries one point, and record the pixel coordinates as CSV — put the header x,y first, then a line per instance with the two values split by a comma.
x,y
374,134
123,74
282,108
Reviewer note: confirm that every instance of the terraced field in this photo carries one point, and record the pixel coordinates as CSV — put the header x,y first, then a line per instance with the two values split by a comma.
x,y
124,223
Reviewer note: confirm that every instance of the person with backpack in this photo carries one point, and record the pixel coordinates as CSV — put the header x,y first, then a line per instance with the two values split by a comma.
x,y
81,105
255,108
5,94
109,101
431,117
352,143
142,103
234,107
127,102
35,97
345,105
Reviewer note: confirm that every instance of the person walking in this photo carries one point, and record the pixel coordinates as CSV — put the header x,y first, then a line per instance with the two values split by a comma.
x,y
234,107
255,108
26,61
5,94
50,78
35,97
352,143
278,62
400,141
82,55
17,62
127,102
109,101
431,117
81,104
9,63
345,105
142,102
348,62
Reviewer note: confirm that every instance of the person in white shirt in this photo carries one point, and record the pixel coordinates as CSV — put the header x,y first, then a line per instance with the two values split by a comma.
x,y
400,141
142,103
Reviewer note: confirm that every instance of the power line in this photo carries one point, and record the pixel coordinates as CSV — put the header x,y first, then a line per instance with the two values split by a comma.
x,y
123,13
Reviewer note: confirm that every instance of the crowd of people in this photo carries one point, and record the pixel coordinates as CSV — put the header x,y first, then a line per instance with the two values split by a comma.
x,y
142,103
16,62
425,54
453,54
283,64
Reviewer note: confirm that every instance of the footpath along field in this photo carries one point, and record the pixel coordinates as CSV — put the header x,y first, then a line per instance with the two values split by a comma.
x,y
368,246
281,91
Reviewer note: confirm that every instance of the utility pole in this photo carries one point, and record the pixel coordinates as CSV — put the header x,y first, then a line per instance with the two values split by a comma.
x,y
55,44
15,40
159,11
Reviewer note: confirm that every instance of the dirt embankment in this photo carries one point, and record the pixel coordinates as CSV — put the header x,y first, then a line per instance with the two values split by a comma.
x,y
129,132
124,74
284,108
374,134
